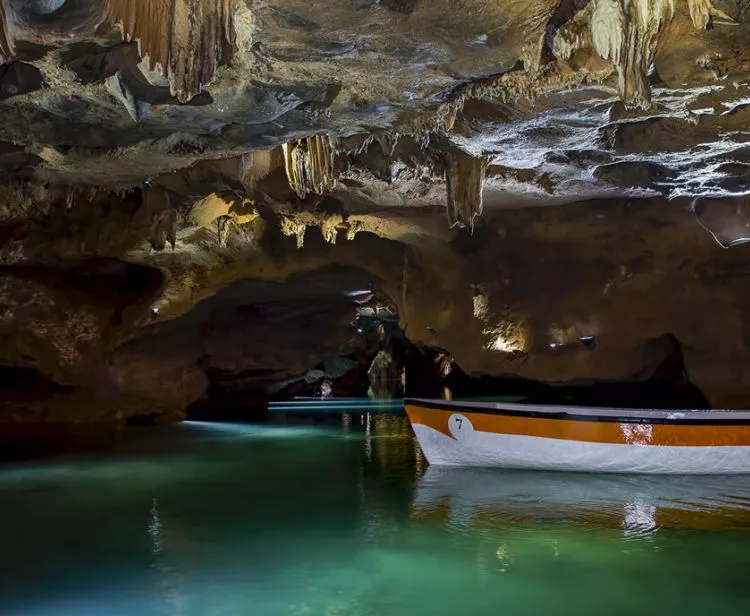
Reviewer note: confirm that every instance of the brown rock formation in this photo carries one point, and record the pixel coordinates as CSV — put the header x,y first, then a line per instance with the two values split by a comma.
x,y
186,39
464,179
7,46
310,165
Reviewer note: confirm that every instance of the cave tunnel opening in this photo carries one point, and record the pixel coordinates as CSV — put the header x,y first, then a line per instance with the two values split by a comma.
x,y
326,334
336,334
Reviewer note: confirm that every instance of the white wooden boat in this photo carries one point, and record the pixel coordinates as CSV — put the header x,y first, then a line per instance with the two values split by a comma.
x,y
571,438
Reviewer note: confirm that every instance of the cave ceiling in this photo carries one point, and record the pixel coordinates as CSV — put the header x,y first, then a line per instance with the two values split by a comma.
x,y
567,99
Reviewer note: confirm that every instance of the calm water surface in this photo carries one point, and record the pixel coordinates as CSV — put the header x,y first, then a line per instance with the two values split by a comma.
x,y
345,518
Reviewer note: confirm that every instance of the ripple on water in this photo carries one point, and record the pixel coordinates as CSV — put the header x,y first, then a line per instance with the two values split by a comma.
x,y
347,524
639,505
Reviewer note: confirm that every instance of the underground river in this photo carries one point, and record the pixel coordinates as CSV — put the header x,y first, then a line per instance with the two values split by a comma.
x,y
343,516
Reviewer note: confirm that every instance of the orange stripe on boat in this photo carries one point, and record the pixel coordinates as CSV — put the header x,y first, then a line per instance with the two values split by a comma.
x,y
685,435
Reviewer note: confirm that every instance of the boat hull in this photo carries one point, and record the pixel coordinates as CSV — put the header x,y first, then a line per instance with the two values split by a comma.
x,y
587,440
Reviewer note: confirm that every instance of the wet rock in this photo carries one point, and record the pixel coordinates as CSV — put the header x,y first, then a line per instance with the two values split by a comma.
x,y
288,19
654,134
14,158
93,63
737,177
19,78
728,222
401,6
635,175
580,158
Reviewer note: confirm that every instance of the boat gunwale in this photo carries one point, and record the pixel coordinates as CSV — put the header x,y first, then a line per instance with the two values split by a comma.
x,y
703,417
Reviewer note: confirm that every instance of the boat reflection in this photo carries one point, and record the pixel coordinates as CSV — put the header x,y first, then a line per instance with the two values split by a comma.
x,y
638,504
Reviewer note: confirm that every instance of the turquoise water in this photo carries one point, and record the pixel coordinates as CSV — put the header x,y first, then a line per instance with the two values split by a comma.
x,y
345,518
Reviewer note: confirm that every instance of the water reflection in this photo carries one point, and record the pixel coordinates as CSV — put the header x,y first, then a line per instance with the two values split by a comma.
x,y
290,520
639,519
154,527
393,444
638,504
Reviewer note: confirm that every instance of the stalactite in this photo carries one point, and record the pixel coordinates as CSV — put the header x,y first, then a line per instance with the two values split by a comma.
x,y
7,46
573,35
310,165
245,175
465,184
292,228
627,31
188,39
355,226
330,228
222,229
702,12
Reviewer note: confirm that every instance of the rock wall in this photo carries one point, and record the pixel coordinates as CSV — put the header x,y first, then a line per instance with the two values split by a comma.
x,y
554,295
619,272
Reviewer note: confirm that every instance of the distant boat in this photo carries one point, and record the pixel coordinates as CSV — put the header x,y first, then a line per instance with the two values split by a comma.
x,y
572,438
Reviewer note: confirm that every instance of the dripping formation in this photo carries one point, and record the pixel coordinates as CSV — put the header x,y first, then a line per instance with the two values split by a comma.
x,y
309,165
465,184
188,39
702,12
627,31
7,47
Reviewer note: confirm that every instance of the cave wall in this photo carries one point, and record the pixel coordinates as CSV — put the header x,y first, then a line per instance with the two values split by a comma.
x,y
259,307
623,272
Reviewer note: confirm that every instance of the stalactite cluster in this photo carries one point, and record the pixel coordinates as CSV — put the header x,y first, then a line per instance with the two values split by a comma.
x,y
627,31
310,165
188,39
465,183
7,47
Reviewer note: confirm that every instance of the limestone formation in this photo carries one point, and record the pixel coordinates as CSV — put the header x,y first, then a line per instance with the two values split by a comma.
x,y
7,47
465,185
627,33
703,12
310,165
385,377
186,39
293,228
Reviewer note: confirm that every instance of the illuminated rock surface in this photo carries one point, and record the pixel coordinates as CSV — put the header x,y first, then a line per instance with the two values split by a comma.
x,y
189,190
